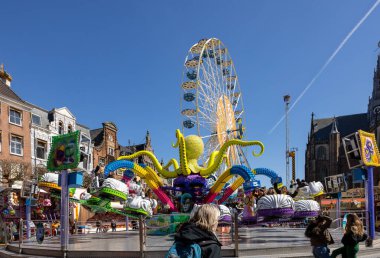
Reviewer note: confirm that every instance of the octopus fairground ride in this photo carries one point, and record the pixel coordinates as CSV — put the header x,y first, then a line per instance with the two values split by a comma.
x,y
189,178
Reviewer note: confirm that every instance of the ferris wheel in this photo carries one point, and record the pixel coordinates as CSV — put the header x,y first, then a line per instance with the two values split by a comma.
x,y
211,101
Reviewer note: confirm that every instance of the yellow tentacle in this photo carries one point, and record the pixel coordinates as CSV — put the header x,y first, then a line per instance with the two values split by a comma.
x,y
151,156
154,175
225,157
177,135
172,162
165,173
211,161
182,153
218,157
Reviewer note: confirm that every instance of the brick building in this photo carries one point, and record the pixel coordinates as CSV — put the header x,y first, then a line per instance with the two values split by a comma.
x,y
15,142
325,154
106,148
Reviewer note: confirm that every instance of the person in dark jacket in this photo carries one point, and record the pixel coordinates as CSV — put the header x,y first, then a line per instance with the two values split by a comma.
x,y
320,236
201,230
354,233
284,190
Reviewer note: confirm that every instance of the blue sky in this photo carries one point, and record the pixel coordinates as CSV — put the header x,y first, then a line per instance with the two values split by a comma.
x,y
122,61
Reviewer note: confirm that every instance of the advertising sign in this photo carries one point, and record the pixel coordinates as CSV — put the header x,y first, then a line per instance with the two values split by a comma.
x,y
369,150
64,152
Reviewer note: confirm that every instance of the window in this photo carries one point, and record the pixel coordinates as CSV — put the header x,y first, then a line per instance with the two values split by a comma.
x,y
111,151
0,140
15,116
110,138
60,127
36,120
69,128
41,149
84,159
102,161
16,145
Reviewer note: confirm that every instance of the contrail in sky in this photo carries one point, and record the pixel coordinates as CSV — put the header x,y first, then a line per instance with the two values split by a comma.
x,y
328,62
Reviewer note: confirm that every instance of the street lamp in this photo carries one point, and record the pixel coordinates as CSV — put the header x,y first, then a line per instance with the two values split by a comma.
x,y
287,101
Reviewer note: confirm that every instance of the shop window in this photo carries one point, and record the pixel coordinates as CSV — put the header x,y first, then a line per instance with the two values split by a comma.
x,y
15,116
60,128
16,145
41,149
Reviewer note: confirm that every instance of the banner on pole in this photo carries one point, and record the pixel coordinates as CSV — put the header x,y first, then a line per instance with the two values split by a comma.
x,y
64,153
369,150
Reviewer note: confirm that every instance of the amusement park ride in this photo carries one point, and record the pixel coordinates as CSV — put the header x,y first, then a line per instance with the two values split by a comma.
x,y
210,172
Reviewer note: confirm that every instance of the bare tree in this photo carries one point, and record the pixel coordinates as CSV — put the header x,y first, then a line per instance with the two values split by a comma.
x,y
40,171
12,170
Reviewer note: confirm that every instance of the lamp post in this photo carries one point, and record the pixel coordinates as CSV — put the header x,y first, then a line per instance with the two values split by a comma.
x,y
287,101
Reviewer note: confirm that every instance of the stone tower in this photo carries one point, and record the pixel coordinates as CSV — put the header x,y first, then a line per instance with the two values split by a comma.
x,y
334,144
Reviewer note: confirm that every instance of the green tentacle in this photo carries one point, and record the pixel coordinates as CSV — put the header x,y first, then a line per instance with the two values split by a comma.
x,y
216,158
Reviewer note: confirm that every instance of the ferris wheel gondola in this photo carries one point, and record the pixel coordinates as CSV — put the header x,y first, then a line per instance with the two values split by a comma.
x,y
212,102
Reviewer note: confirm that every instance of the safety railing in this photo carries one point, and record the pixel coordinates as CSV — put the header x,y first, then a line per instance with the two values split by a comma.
x,y
156,233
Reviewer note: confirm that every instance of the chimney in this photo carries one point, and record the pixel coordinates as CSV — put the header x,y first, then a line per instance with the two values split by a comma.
x,y
4,76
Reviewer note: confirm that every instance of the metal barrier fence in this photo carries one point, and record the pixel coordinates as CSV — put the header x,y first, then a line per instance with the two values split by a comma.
x,y
153,233
338,217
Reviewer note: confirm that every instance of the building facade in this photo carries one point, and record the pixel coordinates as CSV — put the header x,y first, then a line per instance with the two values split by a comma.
x,y
46,124
15,142
106,147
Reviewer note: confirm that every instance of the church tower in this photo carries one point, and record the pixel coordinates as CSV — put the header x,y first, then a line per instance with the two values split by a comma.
x,y
374,102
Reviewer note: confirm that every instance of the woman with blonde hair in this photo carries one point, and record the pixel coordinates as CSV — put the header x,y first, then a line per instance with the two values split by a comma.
x,y
354,233
201,230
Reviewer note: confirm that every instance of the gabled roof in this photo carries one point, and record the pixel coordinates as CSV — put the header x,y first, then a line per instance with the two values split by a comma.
x,y
64,111
84,129
97,136
7,92
345,124
127,150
